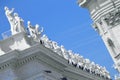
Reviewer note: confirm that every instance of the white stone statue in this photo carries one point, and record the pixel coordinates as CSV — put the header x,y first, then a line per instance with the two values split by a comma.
x,y
63,50
80,63
31,29
34,31
97,69
75,59
47,43
15,21
19,23
10,17
107,75
87,65
101,71
70,57
44,38
38,32
55,46
92,67
64,53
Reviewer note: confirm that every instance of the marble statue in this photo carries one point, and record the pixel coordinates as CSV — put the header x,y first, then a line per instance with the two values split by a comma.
x,y
87,65
97,69
55,46
92,68
45,39
10,17
31,29
57,49
64,52
105,72
35,33
101,71
47,43
38,32
19,23
71,54
67,56
80,63
72,58
15,21
75,59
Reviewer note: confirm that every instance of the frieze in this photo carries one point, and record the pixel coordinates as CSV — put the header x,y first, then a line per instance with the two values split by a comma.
x,y
113,18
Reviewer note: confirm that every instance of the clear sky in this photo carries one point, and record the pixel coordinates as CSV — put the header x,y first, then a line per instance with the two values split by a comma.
x,y
64,22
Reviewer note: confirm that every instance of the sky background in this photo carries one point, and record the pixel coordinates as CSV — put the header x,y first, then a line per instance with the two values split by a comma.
x,y
64,22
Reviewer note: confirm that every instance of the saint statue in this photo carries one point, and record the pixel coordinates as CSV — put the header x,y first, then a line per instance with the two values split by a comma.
x,y
15,21
34,31
38,32
19,25
10,17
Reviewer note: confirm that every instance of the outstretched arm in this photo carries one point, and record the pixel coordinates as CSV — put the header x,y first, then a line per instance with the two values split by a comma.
x,y
11,11
42,29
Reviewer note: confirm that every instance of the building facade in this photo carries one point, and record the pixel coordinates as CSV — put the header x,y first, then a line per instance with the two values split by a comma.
x,y
106,21
32,56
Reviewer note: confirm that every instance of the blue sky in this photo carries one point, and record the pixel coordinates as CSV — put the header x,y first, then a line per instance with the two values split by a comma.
x,y
64,22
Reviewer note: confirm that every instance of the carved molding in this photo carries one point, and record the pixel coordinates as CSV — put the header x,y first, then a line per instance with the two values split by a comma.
x,y
113,18
17,63
24,61
6,65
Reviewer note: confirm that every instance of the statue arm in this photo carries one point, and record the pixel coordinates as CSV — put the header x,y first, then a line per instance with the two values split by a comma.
x,y
42,30
11,11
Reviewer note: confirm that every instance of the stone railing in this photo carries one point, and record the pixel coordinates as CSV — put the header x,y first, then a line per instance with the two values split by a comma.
x,y
6,34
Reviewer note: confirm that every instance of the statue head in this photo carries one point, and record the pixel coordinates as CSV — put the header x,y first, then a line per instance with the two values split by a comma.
x,y
44,35
54,42
70,51
28,22
62,46
76,54
37,26
93,63
5,8
15,14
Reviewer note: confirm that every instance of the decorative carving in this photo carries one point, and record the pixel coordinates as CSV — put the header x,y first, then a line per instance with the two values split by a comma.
x,y
113,18
87,65
19,23
64,52
35,33
47,43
